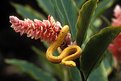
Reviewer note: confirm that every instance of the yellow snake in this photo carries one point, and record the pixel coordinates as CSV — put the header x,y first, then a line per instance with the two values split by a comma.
x,y
67,55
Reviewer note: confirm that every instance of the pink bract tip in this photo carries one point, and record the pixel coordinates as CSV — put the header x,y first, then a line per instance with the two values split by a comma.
x,y
117,11
117,14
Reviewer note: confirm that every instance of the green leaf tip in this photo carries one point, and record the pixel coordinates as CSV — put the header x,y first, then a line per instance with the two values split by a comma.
x,y
84,18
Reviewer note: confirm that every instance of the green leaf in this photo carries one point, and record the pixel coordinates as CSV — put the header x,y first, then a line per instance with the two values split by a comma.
x,y
108,62
95,47
41,57
47,6
58,14
84,18
103,6
55,69
27,12
69,12
35,72
75,74
79,3
99,74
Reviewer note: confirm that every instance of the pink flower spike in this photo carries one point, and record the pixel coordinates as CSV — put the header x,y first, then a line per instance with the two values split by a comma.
x,y
115,46
46,30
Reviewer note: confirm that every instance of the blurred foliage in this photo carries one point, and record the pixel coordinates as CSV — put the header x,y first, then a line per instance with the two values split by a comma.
x,y
37,73
84,20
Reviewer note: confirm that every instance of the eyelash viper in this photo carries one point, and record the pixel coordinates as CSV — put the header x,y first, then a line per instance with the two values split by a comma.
x,y
67,55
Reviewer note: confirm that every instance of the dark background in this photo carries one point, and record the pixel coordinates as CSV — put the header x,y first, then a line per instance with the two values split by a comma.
x,y
12,45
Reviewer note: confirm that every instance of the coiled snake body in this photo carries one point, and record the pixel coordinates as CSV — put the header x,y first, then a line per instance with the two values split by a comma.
x,y
67,55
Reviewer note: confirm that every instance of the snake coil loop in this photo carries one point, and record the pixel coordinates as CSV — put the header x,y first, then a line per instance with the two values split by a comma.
x,y
67,56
